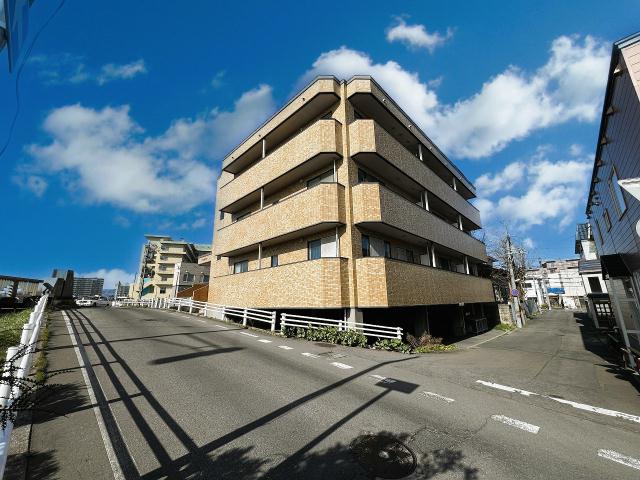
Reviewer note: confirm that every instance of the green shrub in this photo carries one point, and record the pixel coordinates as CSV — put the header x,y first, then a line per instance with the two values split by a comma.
x,y
434,348
349,338
392,345
505,327
352,338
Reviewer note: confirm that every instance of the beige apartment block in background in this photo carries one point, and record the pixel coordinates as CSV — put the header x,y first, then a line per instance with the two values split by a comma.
x,y
158,263
339,206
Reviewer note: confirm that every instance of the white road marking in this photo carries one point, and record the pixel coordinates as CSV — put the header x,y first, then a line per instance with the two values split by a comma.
x,y
384,379
579,406
343,366
224,328
601,411
619,458
438,396
106,439
285,347
264,340
527,427
506,389
310,355
249,334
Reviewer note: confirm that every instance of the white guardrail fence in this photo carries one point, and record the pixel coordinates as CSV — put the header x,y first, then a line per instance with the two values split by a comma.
x,y
244,314
21,366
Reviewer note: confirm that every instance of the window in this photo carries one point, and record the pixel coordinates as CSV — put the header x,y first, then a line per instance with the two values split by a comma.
x,y
164,257
314,248
409,255
616,192
607,219
528,285
163,290
366,246
599,232
163,268
274,260
364,177
326,177
188,277
241,267
387,249
205,278
594,284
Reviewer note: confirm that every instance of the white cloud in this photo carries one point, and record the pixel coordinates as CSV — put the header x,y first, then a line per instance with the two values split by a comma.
x,y
122,221
218,79
508,178
111,161
554,191
66,68
528,243
575,150
416,36
111,276
33,183
508,107
112,71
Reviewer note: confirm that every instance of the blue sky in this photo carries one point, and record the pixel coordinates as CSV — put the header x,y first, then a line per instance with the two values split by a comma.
x,y
121,100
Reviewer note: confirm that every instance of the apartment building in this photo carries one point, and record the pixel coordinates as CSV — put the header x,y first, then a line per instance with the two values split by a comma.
x,y
613,206
341,207
158,259
187,274
84,287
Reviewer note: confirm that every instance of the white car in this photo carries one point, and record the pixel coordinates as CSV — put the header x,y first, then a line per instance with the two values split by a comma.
x,y
93,302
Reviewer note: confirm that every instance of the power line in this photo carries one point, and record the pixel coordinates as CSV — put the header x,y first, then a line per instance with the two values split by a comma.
x,y
24,62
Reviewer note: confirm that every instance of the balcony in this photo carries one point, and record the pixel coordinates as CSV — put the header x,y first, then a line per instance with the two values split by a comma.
x,y
310,150
382,210
308,284
372,146
312,102
383,282
304,213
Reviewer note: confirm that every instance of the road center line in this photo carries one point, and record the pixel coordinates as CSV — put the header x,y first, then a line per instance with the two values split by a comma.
x,y
249,334
619,458
438,396
579,406
343,366
310,355
384,379
264,340
527,427
285,347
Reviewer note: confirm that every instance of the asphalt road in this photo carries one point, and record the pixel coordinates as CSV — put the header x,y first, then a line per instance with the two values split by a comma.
x,y
179,396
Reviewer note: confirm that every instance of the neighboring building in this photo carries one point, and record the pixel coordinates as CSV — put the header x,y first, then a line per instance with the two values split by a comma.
x,y
186,274
155,278
613,205
84,287
19,287
590,270
124,290
339,206
556,283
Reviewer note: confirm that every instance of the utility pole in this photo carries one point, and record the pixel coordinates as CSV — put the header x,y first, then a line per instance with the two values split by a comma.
x,y
515,304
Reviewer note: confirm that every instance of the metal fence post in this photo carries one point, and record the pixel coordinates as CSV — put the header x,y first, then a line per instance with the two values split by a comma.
x,y
205,308
273,321
191,305
244,318
283,321
399,333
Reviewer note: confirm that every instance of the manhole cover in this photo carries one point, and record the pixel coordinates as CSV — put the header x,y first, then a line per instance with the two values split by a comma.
x,y
384,456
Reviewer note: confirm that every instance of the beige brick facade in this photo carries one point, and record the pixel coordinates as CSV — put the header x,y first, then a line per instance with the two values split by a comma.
x,y
307,196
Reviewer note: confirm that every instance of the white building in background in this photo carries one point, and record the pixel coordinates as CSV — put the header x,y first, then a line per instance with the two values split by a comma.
x,y
556,283
84,287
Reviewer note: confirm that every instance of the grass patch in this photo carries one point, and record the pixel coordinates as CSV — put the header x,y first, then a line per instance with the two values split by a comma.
x,y
505,327
11,329
41,362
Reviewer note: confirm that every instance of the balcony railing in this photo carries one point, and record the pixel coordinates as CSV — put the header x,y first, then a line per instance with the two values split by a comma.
x,y
386,282
376,204
317,208
367,137
319,142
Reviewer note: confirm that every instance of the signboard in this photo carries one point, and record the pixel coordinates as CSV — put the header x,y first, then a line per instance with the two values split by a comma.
x,y
514,292
556,291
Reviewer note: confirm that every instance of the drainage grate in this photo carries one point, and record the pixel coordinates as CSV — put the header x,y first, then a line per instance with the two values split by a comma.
x,y
384,456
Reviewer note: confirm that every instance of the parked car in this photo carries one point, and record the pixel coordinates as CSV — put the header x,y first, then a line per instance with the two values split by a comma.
x,y
93,302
